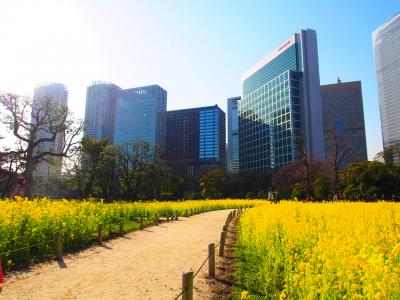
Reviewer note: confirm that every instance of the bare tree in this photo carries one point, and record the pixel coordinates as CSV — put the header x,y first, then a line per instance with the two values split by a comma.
x,y
9,169
305,160
339,150
34,125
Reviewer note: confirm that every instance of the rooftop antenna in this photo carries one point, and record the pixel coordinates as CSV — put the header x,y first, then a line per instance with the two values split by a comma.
x,y
339,80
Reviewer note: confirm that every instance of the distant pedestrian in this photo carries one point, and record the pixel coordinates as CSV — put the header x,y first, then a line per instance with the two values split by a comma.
x,y
276,197
271,196
20,188
308,198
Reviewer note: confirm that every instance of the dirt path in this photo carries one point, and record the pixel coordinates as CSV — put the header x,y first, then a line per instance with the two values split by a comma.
x,y
141,265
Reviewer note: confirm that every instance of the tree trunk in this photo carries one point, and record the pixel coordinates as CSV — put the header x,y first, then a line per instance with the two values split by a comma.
x,y
28,174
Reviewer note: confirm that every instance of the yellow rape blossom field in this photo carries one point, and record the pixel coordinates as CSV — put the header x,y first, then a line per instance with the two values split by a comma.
x,y
336,250
28,227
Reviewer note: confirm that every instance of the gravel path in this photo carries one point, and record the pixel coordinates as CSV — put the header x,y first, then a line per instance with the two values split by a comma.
x,y
144,264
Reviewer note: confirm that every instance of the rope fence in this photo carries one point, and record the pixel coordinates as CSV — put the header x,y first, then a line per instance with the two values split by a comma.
x,y
115,229
188,277
144,221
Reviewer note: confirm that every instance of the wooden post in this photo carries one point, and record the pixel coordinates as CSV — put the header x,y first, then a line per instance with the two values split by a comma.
x,y
167,218
211,260
121,226
191,211
58,245
222,244
187,286
176,215
186,214
141,223
156,220
100,234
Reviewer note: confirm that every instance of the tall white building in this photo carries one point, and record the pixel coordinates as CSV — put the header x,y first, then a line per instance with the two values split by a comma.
x,y
386,41
58,93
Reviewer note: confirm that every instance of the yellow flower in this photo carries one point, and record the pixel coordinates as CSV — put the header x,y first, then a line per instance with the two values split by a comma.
x,y
379,296
282,295
318,277
245,295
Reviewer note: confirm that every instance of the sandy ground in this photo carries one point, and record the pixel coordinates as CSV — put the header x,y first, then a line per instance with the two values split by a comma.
x,y
144,264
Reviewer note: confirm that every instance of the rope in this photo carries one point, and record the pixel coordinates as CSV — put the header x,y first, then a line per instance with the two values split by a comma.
x,y
202,265
198,270
27,247
177,297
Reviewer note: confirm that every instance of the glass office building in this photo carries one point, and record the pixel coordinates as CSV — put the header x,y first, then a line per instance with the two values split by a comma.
x,y
386,41
233,135
347,124
59,94
195,140
280,106
126,115
140,115
101,99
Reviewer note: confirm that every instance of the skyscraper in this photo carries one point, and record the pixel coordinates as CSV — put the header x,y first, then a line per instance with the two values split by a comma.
x,y
386,41
233,135
280,107
101,100
58,93
344,128
126,115
195,140
140,115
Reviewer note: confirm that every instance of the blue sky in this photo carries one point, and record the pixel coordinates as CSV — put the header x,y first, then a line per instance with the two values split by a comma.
x,y
196,50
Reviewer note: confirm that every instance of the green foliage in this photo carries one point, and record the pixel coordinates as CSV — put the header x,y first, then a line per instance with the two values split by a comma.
x,y
371,179
299,191
193,195
262,194
322,187
212,184
132,171
250,195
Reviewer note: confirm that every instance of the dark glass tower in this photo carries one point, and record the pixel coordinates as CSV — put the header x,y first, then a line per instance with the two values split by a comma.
x,y
195,140
280,106
343,117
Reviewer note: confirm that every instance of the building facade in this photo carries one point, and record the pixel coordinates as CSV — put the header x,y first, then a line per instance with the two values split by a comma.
x,y
140,115
195,140
101,100
344,129
386,41
233,135
126,115
58,93
280,107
